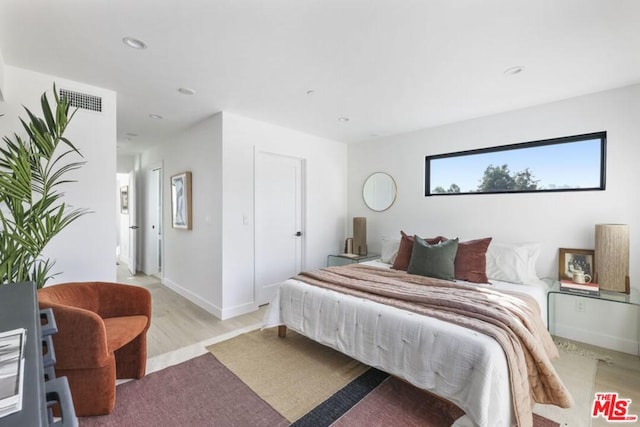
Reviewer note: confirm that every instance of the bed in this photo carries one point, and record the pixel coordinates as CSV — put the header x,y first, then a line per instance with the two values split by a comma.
x,y
459,364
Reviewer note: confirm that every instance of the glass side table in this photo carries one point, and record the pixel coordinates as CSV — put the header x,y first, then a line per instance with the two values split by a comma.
x,y
344,259
633,298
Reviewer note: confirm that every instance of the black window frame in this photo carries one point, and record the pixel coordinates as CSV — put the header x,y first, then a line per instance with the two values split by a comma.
x,y
567,139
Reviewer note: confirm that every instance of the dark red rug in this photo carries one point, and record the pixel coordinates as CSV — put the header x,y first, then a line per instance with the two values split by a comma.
x,y
198,392
203,392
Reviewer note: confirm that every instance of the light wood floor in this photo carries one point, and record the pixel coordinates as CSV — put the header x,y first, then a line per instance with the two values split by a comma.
x,y
621,376
178,323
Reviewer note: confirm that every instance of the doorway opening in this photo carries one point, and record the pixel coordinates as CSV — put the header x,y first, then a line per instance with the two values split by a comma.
x,y
123,214
153,228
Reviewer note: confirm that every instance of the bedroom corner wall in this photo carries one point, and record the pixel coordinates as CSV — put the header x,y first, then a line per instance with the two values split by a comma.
x,y
213,264
192,258
86,249
549,218
326,179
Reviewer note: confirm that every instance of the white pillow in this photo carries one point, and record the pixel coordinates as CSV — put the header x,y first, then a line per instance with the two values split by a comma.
x,y
513,262
534,252
389,250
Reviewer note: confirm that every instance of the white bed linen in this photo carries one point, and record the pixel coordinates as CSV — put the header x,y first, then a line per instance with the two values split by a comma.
x,y
464,366
537,289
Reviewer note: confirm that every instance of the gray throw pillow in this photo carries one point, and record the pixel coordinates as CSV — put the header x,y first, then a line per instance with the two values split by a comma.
x,y
433,260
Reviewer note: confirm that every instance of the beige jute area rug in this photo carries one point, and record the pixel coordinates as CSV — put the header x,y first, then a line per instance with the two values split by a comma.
x,y
292,374
296,374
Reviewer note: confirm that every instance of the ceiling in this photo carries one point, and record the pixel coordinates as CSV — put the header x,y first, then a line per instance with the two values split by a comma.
x,y
389,66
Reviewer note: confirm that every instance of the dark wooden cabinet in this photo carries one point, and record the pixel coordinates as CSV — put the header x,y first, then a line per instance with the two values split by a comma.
x,y
19,309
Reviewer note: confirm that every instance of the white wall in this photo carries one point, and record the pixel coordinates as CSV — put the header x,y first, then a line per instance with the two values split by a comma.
x,y
192,258
325,190
213,264
125,163
86,249
546,217
2,65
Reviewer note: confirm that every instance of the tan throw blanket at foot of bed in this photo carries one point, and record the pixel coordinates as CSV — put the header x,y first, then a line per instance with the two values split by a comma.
x,y
512,319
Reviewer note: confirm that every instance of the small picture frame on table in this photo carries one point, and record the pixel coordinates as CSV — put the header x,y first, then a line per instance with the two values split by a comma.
x,y
571,260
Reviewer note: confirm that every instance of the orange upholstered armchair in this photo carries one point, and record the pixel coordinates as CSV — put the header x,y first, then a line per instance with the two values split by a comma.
x,y
102,329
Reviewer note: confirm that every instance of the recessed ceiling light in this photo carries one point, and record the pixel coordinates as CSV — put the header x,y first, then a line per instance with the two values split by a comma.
x,y
343,119
155,116
186,91
134,43
514,70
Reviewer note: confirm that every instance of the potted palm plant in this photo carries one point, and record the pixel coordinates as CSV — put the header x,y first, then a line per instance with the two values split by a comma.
x,y
33,170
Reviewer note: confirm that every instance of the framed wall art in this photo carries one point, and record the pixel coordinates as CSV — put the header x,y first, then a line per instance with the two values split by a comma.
x,y
575,260
181,201
124,199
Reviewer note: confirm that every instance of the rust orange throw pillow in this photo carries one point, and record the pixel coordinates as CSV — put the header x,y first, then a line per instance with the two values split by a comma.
x,y
406,248
471,261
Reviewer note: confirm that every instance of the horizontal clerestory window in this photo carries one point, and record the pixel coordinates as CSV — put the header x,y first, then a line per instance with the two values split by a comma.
x,y
573,163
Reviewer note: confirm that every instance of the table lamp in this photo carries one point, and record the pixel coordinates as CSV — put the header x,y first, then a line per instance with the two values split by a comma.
x,y
360,235
611,257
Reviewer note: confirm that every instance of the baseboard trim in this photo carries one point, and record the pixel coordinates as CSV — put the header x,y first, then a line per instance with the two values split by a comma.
x,y
220,313
238,310
196,299
595,338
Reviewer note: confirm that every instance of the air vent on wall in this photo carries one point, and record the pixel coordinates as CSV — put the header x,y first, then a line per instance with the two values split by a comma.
x,y
82,100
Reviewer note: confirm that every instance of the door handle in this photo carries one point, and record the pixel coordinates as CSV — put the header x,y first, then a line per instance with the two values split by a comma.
x,y
134,227
299,233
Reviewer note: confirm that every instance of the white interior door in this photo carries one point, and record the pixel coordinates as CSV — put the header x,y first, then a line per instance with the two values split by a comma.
x,y
158,210
133,226
278,222
152,235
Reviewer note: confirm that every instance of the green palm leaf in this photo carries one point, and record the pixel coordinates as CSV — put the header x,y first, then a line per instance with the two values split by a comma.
x,y
33,171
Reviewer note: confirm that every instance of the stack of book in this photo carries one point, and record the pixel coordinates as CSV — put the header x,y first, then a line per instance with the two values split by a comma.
x,y
11,370
580,288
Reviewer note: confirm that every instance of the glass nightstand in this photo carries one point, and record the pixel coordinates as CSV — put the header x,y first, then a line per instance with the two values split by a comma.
x,y
344,259
633,298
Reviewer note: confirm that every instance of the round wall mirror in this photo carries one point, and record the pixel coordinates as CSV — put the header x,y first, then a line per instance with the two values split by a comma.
x,y
379,191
